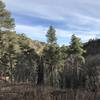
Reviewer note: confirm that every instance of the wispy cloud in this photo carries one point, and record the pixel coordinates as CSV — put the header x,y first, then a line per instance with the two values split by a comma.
x,y
68,16
39,32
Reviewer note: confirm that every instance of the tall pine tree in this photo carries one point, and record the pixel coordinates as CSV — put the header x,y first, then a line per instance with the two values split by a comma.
x,y
6,22
76,58
51,35
7,39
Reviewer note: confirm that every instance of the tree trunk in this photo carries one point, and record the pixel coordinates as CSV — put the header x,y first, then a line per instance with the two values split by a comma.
x,y
40,80
11,67
51,77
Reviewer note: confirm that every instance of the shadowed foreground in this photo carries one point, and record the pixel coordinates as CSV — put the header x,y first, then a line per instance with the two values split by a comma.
x,y
28,92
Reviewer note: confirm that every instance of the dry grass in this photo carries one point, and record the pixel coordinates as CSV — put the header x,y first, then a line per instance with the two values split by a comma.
x,y
26,91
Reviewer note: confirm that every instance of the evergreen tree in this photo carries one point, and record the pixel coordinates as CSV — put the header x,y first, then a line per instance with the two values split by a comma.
x,y
26,64
7,39
77,51
76,47
8,52
62,71
76,59
6,22
52,58
51,36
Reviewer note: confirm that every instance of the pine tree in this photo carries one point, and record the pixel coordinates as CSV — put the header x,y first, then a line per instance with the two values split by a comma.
x,y
26,64
6,22
76,58
76,47
51,35
52,59
76,52
6,25
7,39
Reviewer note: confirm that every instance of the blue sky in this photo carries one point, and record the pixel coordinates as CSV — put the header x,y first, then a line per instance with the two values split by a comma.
x,y
33,17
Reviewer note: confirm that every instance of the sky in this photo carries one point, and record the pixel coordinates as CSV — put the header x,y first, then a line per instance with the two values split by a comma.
x,y
33,17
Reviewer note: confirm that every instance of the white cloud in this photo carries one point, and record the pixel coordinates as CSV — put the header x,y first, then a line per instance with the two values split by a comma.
x,y
40,32
77,14
30,31
80,16
86,36
54,9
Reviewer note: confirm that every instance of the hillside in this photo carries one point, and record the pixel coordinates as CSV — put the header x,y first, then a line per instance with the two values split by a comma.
x,y
92,47
92,51
93,55
37,45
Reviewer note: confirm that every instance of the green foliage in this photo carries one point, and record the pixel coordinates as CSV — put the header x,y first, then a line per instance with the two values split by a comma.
x,y
52,57
6,22
51,36
76,48
52,53
72,68
26,64
7,51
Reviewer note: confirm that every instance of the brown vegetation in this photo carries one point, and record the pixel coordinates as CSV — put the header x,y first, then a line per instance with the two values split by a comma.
x,y
26,91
